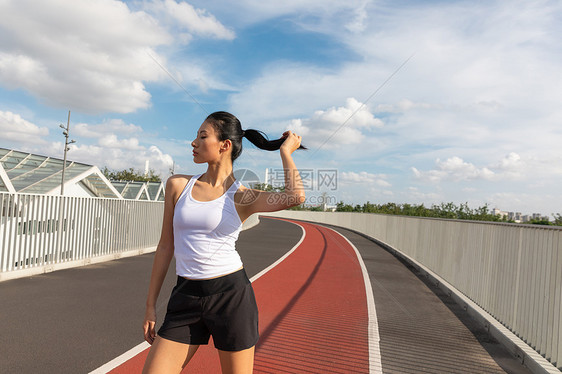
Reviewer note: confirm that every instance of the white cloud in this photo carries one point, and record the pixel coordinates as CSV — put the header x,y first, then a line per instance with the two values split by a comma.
x,y
345,15
453,168
114,157
85,55
16,129
93,55
354,114
357,24
402,106
111,141
336,126
413,194
110,150
196,73
510,162
100,130
483,83
364,177
187,18
510,167
288,90
482,78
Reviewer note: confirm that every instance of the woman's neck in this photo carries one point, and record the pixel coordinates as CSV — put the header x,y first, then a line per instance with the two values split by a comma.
x,y
218,174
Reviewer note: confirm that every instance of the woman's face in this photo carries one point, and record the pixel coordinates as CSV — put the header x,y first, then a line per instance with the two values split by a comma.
x,y
206,147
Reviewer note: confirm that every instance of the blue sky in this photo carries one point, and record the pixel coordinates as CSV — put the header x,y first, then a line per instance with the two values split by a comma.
x,y
474,116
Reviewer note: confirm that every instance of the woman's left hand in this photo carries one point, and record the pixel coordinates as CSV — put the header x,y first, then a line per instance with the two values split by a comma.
x,y
149,325
292,142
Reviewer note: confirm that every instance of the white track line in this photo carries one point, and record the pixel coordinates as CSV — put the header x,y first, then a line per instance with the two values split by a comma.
x,y
375,365
255,277
121,359
117,361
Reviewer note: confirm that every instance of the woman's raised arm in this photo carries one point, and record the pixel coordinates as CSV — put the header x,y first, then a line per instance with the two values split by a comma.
x,y
293,195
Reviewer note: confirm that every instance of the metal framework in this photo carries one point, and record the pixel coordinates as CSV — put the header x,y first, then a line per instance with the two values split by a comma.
x,y
40,230
24,172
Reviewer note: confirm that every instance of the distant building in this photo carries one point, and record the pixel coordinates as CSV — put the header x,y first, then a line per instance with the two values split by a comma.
x,y
515,216
539,216
498,212
518,216
328,208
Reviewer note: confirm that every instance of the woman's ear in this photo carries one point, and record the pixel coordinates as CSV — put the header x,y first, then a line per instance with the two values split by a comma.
x,y
226,145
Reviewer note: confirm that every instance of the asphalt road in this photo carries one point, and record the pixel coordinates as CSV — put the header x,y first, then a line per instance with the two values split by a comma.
x,y
75,320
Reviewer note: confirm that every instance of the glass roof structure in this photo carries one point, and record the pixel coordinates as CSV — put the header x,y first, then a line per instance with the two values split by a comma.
x,y
137,190
98,186
155,191
29,173
3,187
131,190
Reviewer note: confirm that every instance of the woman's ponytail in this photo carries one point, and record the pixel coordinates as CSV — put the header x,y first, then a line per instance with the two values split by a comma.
x,y
260,140
228,126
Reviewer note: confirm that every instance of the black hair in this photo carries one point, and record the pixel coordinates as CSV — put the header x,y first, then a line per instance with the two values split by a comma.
x,y
228,126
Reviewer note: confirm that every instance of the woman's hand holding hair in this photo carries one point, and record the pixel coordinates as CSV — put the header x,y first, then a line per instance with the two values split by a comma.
x,y
149,325
293,184
292,142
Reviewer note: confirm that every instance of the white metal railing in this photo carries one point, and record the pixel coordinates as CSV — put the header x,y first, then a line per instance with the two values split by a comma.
x,y
512,271
39,230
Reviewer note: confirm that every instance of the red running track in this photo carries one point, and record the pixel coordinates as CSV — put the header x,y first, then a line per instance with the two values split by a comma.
x,y
313,313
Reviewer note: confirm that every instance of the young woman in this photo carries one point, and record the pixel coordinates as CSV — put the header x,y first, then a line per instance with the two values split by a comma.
x,y
203,215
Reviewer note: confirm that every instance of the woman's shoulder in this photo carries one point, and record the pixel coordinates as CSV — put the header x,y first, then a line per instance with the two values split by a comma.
x,y
175,185
180,177
177,181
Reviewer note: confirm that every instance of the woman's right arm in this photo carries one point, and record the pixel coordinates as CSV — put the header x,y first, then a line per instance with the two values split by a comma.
x,y
162,258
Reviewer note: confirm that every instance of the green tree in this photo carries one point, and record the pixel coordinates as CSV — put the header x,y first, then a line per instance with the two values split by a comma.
x,y
443,210
341,207
369,208
131,175
557,219
268,187
540,221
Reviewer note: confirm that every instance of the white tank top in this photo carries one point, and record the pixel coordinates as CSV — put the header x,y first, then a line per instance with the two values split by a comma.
x,y
205,233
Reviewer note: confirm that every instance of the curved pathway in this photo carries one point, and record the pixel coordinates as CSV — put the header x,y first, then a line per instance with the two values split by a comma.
x,y
317,313
314,315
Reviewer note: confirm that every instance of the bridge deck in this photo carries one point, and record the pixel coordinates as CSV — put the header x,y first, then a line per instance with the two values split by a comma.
x,y
314,313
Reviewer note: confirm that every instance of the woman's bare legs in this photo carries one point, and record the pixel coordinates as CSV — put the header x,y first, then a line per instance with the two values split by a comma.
x,y
239,362
167,356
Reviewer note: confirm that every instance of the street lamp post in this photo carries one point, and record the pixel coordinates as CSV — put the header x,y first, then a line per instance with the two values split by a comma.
x,y
66,143
62,202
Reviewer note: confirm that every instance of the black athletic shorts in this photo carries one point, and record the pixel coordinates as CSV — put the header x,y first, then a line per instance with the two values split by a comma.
x,y
224,307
